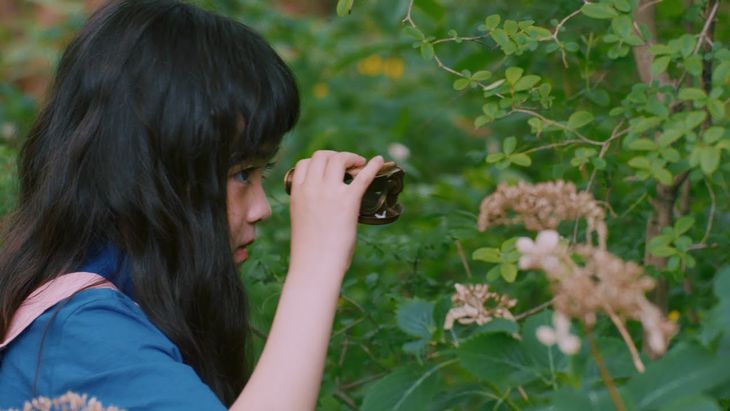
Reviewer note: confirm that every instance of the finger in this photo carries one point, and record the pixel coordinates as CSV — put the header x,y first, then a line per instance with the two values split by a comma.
x,y
367,174
318,164
340,163
300,172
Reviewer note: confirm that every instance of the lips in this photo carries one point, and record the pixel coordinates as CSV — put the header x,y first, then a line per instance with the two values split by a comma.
x,y
240,254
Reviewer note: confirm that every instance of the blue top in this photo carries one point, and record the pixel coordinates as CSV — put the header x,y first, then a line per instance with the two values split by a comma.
x,y
101,343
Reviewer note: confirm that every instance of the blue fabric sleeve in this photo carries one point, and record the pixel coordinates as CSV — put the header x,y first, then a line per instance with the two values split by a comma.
x,y
107,347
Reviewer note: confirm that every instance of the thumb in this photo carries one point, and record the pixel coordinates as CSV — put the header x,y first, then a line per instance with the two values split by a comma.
x,y
366,175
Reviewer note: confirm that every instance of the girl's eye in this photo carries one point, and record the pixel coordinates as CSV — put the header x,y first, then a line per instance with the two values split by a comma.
x,y
242,176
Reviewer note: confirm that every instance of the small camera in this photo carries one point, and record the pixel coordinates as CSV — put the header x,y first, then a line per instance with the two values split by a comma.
x,y
380,202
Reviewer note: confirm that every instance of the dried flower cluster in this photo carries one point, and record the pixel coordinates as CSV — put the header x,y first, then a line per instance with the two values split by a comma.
x,y
596,281
470,305
67,402
542,206
603,283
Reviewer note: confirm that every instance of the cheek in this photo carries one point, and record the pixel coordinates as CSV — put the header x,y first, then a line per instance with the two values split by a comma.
x,y
235,207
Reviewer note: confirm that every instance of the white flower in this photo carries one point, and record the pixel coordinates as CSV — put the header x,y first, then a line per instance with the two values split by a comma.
x,y
541,252
398,151
567,343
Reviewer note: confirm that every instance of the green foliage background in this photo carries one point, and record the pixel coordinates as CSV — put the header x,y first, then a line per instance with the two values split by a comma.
x,y
368,83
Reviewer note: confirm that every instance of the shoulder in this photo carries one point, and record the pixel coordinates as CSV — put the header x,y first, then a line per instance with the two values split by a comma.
x,y
101,343
104,320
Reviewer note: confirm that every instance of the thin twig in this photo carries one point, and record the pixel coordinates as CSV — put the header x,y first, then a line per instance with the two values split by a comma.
x,y
614,135
607,380
462,256
558,125
408,19
445,67
713,204
346,399
533,311
706,27
452,39
557,30
362,381
649,4
627,339
554,145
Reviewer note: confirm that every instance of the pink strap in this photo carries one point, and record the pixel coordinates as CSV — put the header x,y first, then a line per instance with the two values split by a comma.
x,y
48,295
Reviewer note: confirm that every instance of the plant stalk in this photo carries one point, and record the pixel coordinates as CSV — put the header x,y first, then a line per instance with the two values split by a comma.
x,y
607,380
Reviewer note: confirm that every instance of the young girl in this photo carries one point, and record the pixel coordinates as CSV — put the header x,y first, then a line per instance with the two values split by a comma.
x,y
145,168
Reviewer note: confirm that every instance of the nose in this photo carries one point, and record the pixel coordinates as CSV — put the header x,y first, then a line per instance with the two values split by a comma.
x,y
260,208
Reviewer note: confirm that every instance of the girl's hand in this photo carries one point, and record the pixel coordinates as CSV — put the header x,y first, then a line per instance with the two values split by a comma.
x,y
324,209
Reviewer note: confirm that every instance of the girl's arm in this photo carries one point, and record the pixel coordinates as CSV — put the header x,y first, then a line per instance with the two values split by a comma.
x,y
324,213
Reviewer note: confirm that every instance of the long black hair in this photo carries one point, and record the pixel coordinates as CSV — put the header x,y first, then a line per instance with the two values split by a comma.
x,y
152,103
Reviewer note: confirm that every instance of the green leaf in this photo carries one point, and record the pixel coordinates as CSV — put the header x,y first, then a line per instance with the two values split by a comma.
x,y
643,144
508,272
495,157
599,163
642,124
413,33
659,65
622,5
663,251
693,64
685,370
492,21
683,225
659,49
415,318
481,75
493,274
426,50
411,388
461,84
527,82
502,39
579,119
693,403
509,144
709,159
482,120
721,286
713,134
691,93
662,175
622,25
490,255
539,33
498,325
344,7
721,73
511,27
716,108
670,154
521,159
497,358
513,74
670,136
640,162
598,10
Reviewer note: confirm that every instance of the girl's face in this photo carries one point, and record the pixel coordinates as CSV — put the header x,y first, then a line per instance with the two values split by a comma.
x,y
246,205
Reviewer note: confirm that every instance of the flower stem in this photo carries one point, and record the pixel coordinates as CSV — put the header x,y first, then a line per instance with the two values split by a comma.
x,y
607,380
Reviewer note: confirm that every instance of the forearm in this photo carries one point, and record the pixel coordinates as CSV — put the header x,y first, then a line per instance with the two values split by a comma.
x,y
289,372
